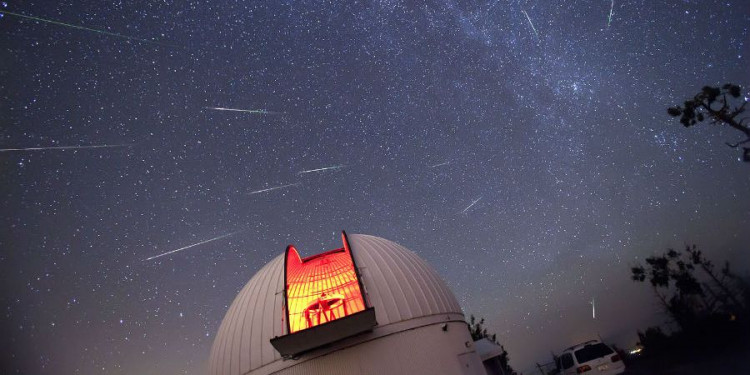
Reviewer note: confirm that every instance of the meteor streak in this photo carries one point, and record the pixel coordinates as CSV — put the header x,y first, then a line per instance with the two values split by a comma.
x,y
593,308
530,23
64,147
439,164
611,8
194,245
321,169
256,111
274,188
471,205
79,27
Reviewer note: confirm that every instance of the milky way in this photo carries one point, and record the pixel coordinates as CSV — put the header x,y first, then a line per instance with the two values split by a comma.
x,y
561,130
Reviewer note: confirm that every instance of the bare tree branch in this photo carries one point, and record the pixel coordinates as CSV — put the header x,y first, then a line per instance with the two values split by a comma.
x,y
701,108
735,145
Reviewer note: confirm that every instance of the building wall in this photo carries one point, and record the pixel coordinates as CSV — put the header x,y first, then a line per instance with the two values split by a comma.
x,y
423,350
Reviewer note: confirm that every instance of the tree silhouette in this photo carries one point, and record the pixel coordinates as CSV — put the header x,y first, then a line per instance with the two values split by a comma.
x,y
478,332
686,294
710,306
703,106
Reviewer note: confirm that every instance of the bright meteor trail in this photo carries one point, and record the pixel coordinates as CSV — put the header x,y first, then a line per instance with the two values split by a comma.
x,y
530,23
256,111
611,8
593,308
321,169
193,245
63,147
83,28
273,188
439,164
471,205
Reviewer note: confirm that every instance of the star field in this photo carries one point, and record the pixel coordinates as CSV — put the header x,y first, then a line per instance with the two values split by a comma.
x,y
521,147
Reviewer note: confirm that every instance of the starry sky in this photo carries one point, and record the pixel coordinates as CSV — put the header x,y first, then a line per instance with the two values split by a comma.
x,y
521,147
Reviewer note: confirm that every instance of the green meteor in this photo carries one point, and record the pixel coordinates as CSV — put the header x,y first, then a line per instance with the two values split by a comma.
x,y
79,27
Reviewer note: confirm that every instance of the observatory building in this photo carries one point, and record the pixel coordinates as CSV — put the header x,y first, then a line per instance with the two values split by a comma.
x,y
369,307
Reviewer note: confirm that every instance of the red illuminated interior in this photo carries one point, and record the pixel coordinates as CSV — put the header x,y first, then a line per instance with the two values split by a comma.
x,y
321,288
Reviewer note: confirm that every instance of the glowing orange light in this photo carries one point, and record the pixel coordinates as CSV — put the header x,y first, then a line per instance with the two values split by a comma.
x,y
321,288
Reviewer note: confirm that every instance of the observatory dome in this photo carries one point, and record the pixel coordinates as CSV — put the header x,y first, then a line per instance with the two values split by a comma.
x,y
402,289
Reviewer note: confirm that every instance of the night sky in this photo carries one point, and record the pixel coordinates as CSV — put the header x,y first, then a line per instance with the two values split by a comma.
x,y
522,148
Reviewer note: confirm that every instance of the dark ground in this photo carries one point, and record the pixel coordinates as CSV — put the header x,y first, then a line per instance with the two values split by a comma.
x,y
729,361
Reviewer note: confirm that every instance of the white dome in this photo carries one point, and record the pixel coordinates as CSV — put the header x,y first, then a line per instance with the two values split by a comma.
x,y
399,285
